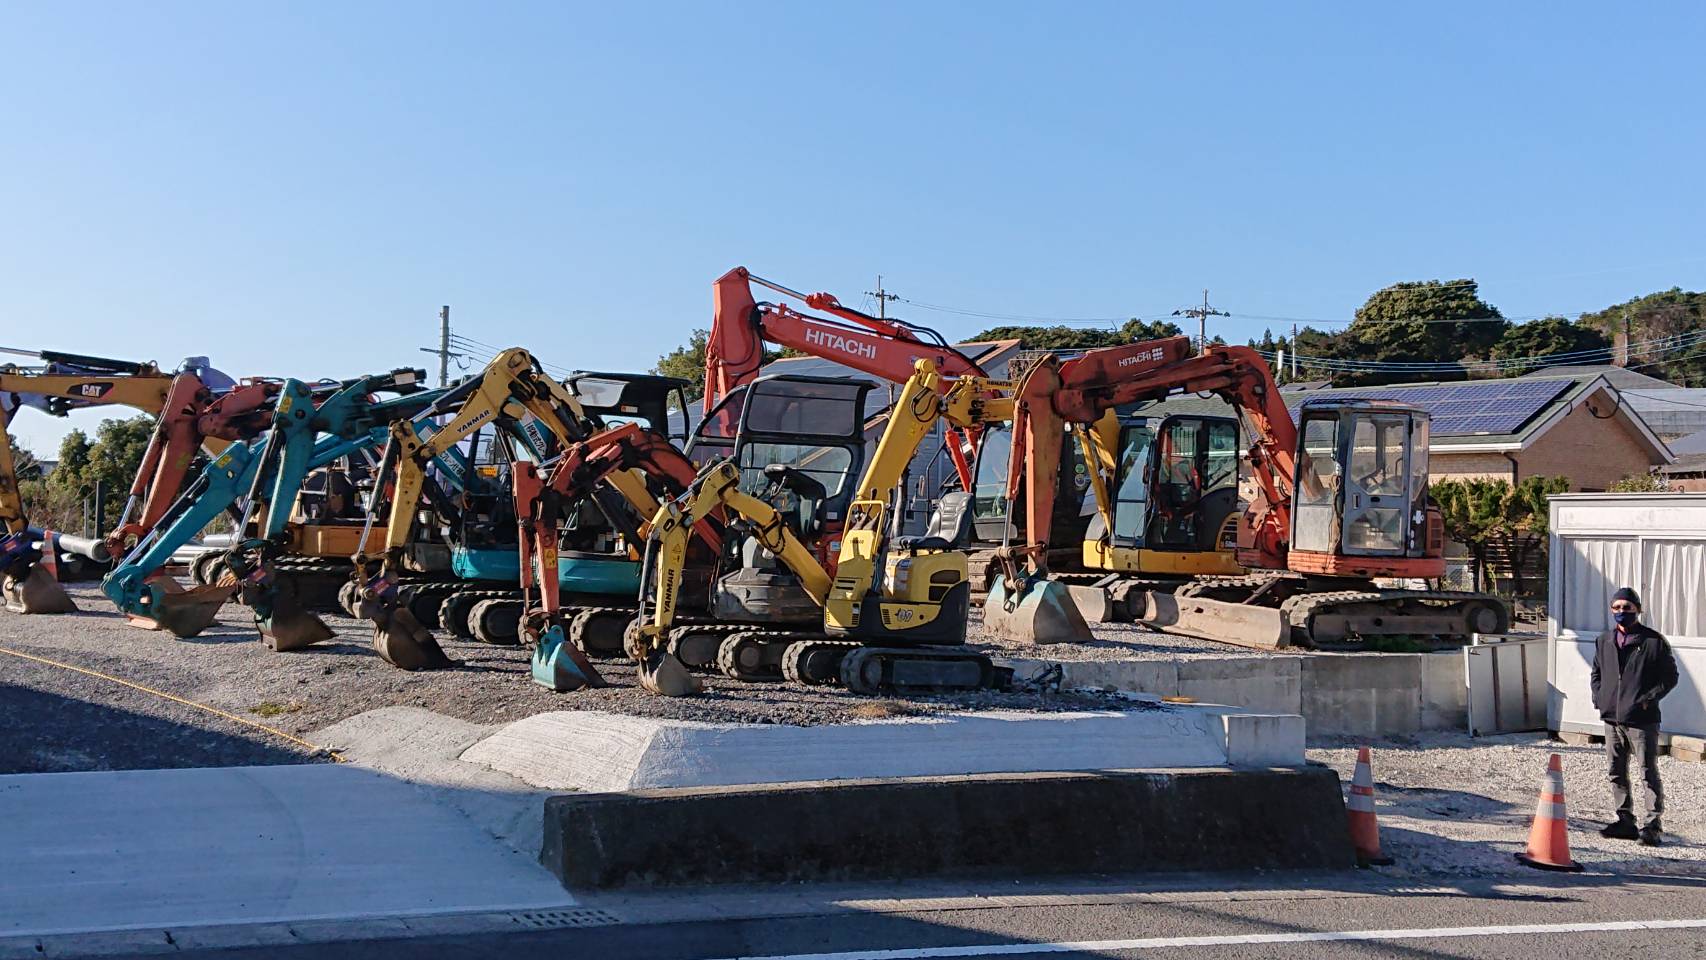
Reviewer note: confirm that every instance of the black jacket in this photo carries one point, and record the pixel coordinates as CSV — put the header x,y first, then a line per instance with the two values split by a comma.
x,y
1630,695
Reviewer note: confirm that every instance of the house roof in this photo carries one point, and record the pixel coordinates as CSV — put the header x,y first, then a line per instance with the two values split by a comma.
x,y
1620,377
1677,412
1574,391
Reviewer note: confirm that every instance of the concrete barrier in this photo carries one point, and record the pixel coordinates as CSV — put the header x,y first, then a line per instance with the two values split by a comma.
x,y
988,825
1356,694
602,752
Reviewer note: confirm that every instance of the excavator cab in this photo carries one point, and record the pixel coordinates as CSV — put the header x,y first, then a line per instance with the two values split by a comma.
x,y
1174,495
1362,491
799,443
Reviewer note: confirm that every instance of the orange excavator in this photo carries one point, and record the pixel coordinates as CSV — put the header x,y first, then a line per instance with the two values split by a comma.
x,y
542,500
886,348
1341,502
196,406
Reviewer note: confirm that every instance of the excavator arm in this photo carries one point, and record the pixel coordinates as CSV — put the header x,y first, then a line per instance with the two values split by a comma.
x,y
514,393
66,382
716,488
1055,395
880,347
540,502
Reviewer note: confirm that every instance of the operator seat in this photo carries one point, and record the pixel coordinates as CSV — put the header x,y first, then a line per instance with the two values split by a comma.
x,y
950,527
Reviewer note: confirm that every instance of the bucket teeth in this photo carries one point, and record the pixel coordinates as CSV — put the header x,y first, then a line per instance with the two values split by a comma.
x,y
401,640
37,592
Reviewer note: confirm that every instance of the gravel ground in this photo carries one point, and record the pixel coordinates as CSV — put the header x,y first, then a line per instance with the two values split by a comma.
x,y
54,719
1114,641
1450,805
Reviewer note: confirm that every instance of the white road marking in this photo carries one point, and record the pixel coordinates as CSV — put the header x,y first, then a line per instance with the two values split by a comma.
x,y
1236,940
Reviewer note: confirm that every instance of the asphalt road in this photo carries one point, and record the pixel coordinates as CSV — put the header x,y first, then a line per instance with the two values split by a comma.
x,y
1418,924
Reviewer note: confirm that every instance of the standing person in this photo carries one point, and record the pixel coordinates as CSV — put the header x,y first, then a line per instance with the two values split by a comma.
x,y
1633,669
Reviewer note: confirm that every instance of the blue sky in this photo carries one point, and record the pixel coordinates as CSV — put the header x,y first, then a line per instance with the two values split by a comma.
x,y
295,189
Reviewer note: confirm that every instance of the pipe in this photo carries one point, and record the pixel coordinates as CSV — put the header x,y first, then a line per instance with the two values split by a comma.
x,y
1512,458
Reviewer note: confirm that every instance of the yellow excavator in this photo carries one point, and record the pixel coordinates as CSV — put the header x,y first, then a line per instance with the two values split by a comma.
x,y
894,609
515,394
62,383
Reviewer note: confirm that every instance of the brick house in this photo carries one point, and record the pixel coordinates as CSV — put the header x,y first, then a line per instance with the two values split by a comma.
x,y
1582,430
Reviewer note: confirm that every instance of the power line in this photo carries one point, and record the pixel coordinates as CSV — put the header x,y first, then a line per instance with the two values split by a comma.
x,y
1666,344
1202,316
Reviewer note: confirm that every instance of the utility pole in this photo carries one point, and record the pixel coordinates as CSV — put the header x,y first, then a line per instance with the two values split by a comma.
x,y
882,298
444,352
1201,314
1294,353
1623,347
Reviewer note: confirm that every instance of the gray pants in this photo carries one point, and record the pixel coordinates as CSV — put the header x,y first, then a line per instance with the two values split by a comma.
x,y
1642,743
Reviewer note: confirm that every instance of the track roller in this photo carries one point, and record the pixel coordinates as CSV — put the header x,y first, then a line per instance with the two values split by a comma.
x,y
496,621
874,670
453,614
749,656
814,663
600,631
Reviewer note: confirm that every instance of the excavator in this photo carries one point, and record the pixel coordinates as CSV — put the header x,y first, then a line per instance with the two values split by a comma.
x,y
484,554
541,501
893,610
196,406
268,472
514,394
887,348
1341,502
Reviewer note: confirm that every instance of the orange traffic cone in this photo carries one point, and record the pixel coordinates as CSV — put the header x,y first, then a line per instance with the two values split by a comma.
x,y
1365,826
50,554
1549,838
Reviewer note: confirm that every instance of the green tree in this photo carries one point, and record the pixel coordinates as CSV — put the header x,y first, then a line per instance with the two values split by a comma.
x,y
1472,511
112,460
1527,522
1484,513
1653,319
1429,321
688,363
24,463
1548,337
1641,483
1080,338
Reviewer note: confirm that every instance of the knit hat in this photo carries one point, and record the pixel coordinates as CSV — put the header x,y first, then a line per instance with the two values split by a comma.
x,y
1629,594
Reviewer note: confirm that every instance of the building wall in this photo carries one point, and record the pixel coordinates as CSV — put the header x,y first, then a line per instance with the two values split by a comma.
x,y
1593,453
1443,465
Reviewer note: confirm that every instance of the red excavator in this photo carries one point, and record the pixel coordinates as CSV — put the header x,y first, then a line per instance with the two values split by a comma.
x,y
886,348
541,502
1342,501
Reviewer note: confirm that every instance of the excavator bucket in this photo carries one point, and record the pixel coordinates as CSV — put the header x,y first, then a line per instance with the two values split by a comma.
x,y
37,592
1246,625
560,665
1036,611
401,640
186,613
664,674
287,625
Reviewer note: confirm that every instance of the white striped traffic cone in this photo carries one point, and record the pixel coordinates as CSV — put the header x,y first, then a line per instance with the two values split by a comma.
x,y
1359,806
1549,837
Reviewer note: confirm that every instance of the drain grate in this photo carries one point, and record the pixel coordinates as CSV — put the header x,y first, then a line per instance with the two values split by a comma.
x,y
567,918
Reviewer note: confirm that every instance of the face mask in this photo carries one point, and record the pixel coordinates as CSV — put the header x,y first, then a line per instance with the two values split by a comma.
x,y
1626,618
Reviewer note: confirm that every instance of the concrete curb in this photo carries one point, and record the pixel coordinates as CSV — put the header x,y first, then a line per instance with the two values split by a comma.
x,y
986,825
1337,694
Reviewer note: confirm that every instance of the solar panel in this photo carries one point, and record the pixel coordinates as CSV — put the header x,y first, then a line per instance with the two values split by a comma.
x,y
1470,409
